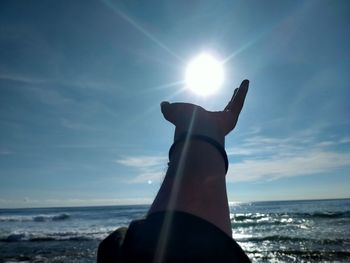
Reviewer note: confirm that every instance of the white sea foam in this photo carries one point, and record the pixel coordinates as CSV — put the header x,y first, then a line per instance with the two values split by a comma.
x,y
267,231
36,218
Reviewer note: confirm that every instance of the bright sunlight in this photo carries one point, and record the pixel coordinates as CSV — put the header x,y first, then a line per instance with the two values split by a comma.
x,y
204,75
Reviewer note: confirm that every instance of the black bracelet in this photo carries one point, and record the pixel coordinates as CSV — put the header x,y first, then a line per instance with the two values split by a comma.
x,y
186,136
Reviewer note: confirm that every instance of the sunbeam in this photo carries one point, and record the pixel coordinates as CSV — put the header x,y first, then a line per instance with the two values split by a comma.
x,y
141,29
238,51
151,109
163,237
164,86
245,46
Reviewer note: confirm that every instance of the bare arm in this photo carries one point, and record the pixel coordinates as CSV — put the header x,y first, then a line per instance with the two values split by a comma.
x,y
195,180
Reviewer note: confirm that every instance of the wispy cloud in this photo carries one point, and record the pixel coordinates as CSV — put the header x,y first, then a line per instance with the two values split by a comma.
x,y
21,78
5,152
304,164
271,146
142,161
53,202
74,125
149,168
260,158
150,176
267,158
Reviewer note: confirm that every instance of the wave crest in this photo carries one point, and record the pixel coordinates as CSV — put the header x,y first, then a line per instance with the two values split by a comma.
x,y
36,218
62,236
280,238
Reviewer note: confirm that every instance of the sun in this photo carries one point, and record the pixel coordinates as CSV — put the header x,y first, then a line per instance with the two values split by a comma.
x,y
204,75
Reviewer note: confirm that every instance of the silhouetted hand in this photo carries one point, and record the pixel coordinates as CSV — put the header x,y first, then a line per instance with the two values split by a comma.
x,y
196,120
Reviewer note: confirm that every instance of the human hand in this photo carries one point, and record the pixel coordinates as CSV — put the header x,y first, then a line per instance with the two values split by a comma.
x,y
194,119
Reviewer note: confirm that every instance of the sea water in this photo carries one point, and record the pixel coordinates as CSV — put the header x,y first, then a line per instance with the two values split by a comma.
x,y
293,231
283,231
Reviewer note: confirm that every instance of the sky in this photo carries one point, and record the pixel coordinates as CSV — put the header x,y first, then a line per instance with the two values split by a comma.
x,y
81,83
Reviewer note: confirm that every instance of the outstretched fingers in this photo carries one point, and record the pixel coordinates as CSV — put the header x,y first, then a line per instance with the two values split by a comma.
x,y
231,112
236,103
227,108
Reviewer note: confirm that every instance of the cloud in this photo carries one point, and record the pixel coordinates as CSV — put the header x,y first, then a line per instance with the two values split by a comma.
x,y
260,146
304,164
345,140
28,202
148,168
261,158
74,125
150,176
142,161
267,158
5,152
21,78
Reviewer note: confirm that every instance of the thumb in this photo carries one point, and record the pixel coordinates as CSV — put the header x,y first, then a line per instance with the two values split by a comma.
x,y
168,111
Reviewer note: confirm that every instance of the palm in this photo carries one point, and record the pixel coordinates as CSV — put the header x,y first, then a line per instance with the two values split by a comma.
x,y
195,119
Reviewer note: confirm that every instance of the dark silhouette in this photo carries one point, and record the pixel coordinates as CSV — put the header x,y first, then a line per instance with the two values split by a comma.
x,y
189,220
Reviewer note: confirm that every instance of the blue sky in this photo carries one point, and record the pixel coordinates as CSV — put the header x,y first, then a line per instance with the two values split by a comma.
x,y
81,83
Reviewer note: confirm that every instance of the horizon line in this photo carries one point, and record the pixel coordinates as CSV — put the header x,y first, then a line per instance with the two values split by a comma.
x,y
231,203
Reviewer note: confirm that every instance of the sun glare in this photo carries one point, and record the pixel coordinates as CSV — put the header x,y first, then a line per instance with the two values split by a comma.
x,y
204,75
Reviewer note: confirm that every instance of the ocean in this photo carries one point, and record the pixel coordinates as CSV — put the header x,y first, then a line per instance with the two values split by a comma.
x,y
283,231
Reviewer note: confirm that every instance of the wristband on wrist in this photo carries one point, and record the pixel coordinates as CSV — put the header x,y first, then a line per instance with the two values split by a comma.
x,y
186,136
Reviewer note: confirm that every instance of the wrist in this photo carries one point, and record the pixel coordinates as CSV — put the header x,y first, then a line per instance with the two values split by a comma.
x,y
187,139
211,133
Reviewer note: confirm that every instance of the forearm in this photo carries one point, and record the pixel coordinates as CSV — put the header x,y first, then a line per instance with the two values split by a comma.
x,y
195,180
195,183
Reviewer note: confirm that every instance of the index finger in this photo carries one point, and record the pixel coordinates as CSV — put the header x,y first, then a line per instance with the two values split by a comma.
x,y
236,103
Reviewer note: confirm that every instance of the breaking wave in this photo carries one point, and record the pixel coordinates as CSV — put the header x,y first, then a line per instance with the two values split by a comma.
x,y
55,236
36,218
258,216
280,238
